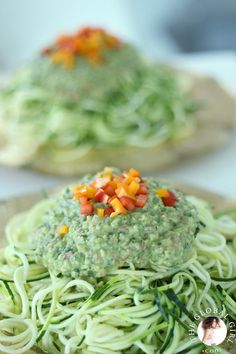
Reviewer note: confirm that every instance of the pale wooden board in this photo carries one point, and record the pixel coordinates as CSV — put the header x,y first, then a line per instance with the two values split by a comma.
x,y
12,206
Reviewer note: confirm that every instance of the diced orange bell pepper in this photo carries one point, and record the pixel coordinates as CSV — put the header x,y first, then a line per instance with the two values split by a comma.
x,y
134,173
112,41
84,191
80,191
118,207
91,191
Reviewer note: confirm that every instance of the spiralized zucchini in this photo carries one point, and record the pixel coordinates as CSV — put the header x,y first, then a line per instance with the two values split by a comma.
x,y
130,311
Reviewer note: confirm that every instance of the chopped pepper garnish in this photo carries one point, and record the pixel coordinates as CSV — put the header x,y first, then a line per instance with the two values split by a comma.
x,y
89,43
116,195
100,212
168,198
134,173
63,229
107,173
134,187
87,209
162,193
118,207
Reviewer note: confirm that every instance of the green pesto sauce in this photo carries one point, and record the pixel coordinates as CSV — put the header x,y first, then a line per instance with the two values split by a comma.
x,y
154,237
86,81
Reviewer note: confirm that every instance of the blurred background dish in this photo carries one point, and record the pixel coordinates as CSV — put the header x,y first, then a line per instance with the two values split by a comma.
x,y
89,99
151,28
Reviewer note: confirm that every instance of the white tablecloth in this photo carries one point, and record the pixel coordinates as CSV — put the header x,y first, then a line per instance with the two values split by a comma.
x,y
215,171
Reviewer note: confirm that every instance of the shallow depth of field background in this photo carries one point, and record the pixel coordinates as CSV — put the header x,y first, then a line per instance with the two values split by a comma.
x,y
200,35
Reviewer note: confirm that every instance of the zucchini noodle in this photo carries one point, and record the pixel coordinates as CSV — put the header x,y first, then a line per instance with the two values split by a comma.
x,y
129,311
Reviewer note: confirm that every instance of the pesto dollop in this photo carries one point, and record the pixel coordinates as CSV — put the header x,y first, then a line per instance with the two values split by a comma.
x,y
153,237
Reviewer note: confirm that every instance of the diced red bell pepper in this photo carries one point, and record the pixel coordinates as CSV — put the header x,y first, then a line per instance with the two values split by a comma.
x,y
109,190
100,182
101,196
105,199
83,200
141,200
128,203
108,211
143,189
170,200
87,209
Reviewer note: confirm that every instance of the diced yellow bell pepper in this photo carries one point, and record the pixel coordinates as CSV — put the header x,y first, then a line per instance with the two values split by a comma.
x,y
107,172
123,190
63,229
118,207
100,212
134,187
128,179
162,193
